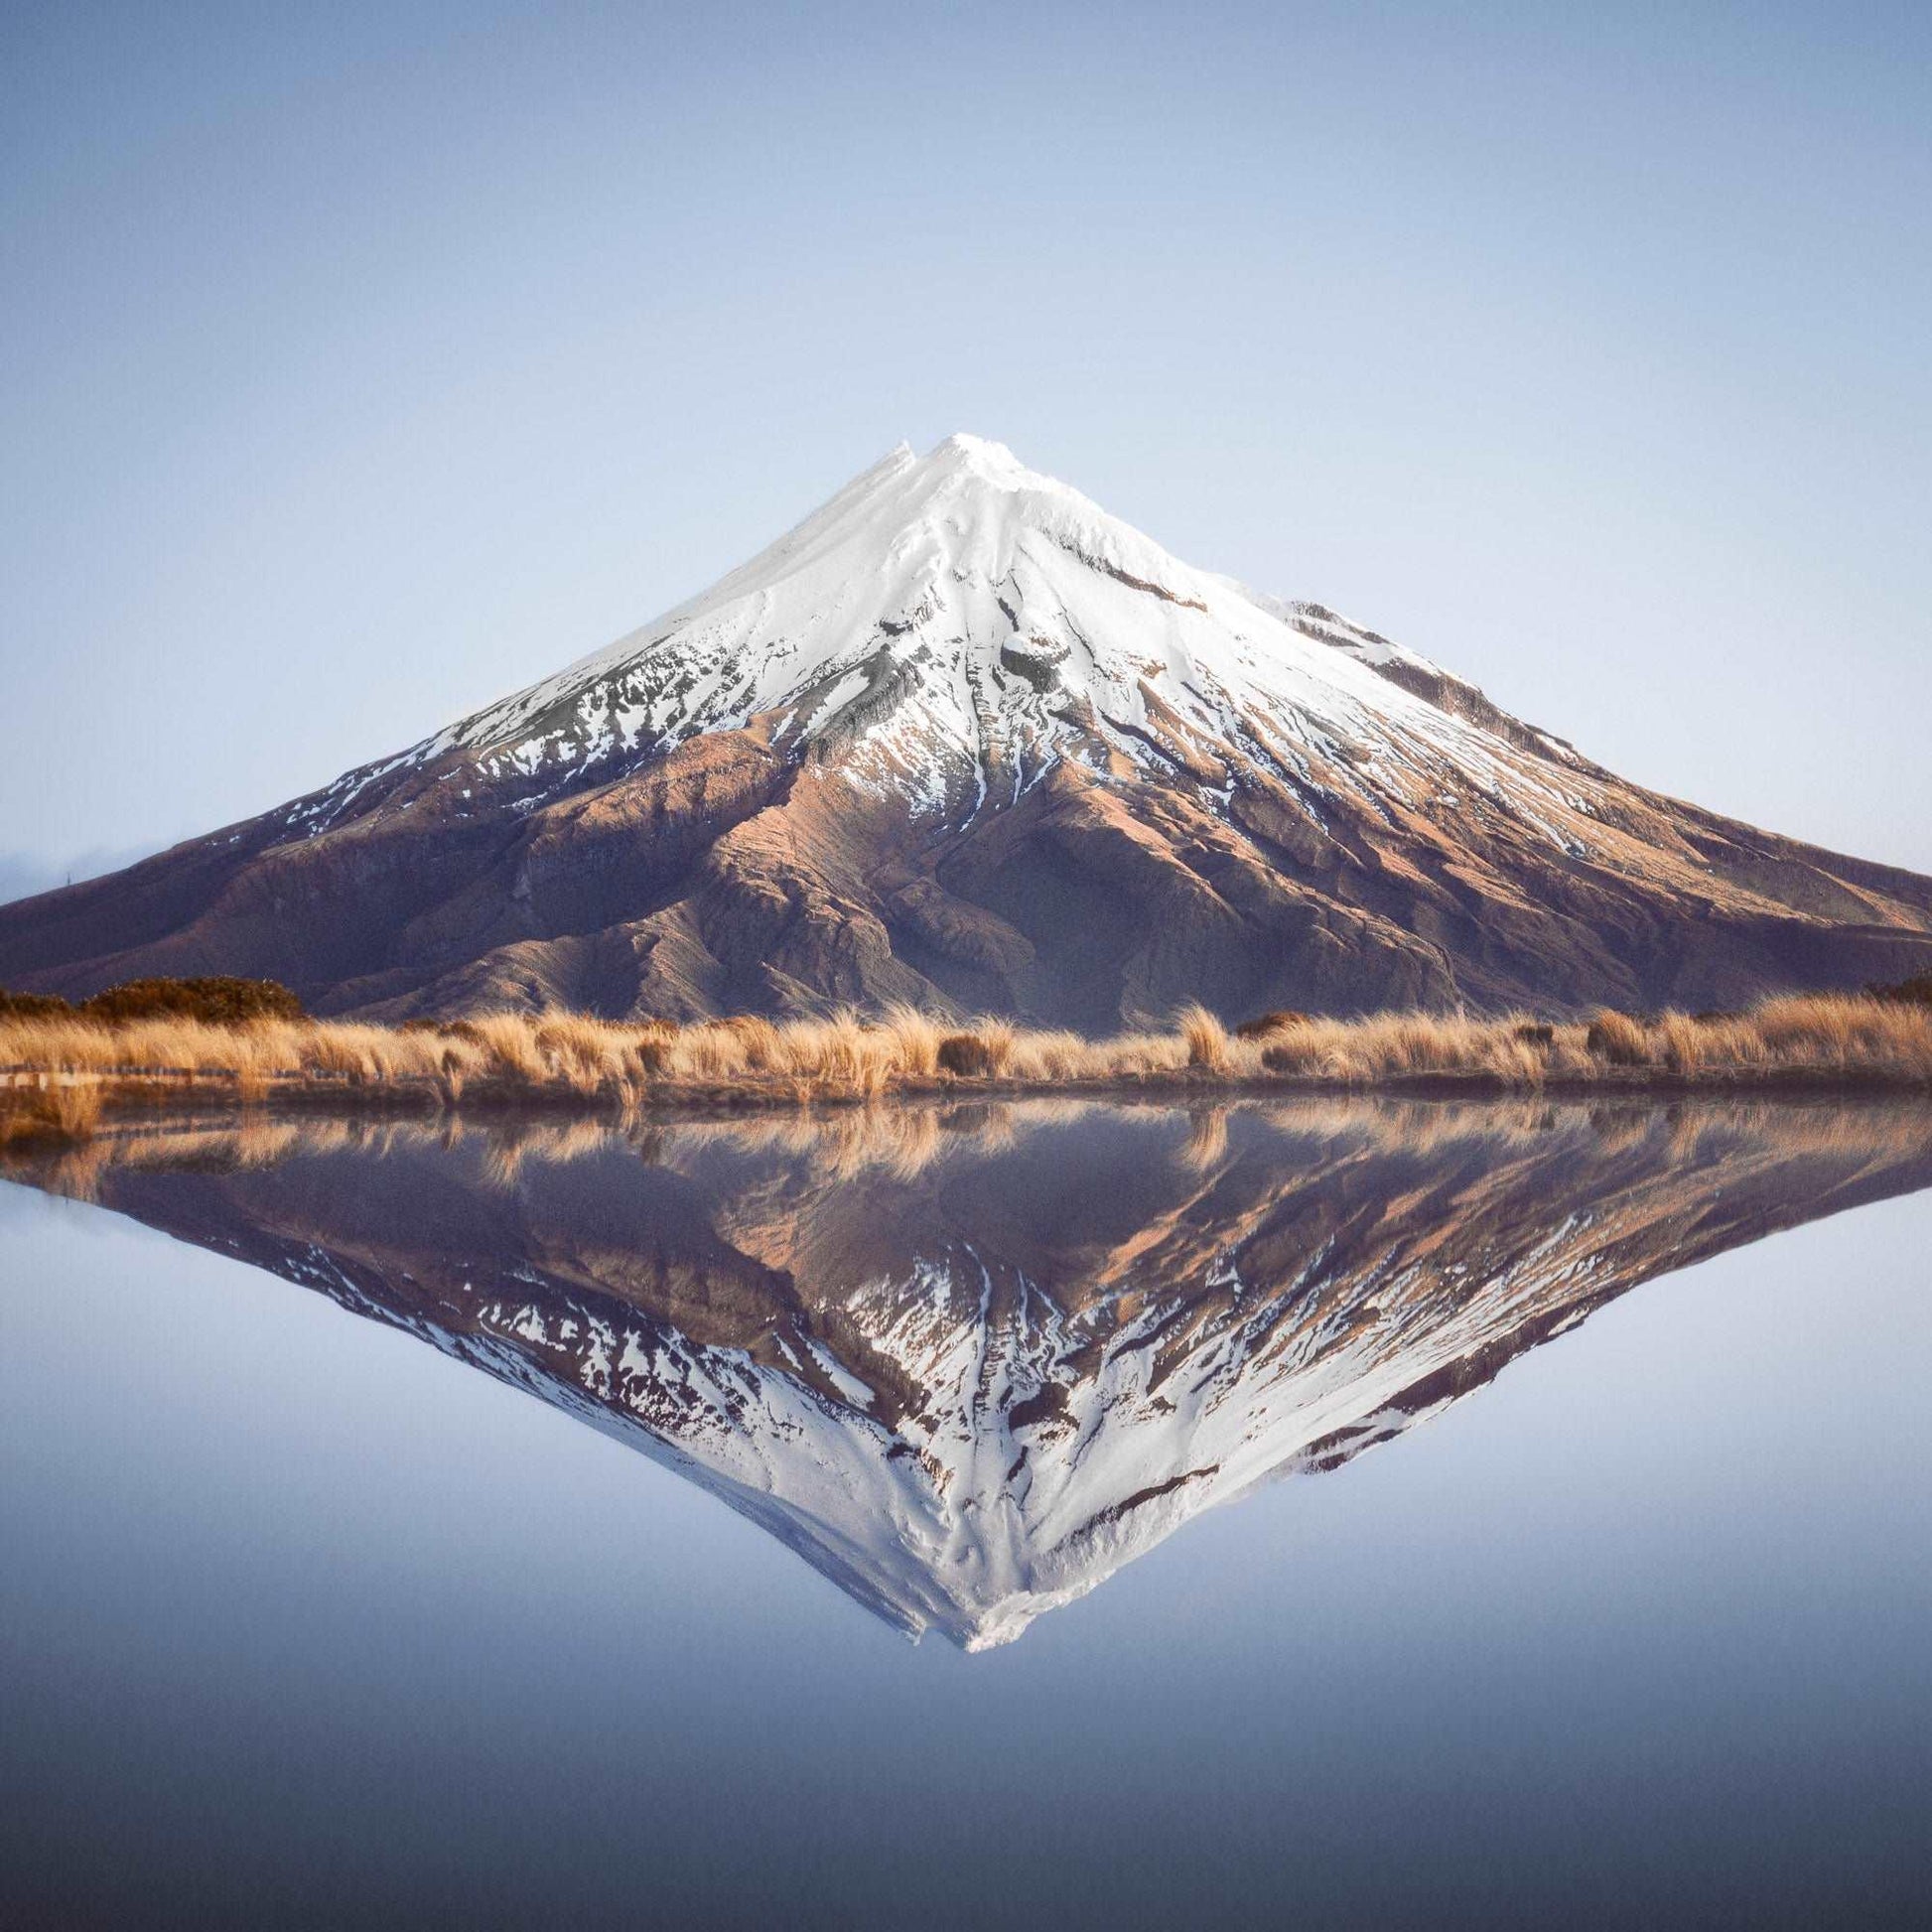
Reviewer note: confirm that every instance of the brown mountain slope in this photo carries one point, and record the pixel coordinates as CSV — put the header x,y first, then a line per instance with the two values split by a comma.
x,y
961,739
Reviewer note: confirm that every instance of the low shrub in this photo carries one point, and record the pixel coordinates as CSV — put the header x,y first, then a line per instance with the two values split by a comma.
x,y
216,1002
1914,991
1264,1024
33,1005
967,1055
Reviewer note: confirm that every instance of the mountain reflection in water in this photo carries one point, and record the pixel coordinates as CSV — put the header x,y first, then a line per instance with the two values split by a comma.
x,y
968,1362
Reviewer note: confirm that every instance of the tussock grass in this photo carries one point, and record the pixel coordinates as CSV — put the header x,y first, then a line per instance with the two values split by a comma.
x,y
1617,1038
1207,1039
572,1060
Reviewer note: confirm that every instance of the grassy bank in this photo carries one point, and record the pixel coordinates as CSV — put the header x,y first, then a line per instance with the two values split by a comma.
x,y
55,1071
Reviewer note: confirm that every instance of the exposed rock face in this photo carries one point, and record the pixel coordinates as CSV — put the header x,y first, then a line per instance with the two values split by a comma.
x,y
964,739
970,1361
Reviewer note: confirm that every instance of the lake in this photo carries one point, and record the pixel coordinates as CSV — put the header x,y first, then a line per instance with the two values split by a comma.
x,y
1336,1512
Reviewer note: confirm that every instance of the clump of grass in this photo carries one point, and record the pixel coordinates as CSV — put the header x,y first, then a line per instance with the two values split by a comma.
x,y
913,1040
1047,1059
1206,1038
1616,1038
758,1042
996,1036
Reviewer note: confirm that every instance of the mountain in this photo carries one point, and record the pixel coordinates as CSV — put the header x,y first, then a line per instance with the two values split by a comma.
x,y
963,738
969,1361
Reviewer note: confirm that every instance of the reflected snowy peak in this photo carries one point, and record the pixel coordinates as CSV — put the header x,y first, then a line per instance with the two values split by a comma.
x,y
970,1361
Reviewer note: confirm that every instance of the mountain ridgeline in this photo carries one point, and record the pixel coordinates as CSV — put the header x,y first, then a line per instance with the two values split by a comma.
x,y
963,740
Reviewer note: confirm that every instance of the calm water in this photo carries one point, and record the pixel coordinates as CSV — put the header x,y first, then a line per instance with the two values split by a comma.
x,y
1336,1514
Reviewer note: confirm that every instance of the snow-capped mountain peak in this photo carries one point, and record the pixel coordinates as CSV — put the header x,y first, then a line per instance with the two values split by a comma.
x,y
962,738
960,624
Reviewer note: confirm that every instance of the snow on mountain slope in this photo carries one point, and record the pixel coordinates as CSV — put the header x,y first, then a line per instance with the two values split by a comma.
x,y
957,625
963,740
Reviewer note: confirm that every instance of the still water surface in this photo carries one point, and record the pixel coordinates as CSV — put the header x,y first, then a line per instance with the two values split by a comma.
x,y
1339,1514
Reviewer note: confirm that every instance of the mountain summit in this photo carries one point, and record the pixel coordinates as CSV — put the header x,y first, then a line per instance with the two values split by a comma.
x,y
963,738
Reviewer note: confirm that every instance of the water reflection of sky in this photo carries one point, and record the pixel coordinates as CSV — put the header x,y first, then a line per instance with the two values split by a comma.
x,y
299,1615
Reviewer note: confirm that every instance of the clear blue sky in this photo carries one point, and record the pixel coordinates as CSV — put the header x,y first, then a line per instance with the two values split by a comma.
x,y
360,363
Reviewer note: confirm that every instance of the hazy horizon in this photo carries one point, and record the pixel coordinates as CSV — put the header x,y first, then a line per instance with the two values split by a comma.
x,y
358,369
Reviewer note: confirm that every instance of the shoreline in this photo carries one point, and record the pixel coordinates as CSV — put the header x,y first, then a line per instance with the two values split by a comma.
x,y
415,1092
124,1092
57,1076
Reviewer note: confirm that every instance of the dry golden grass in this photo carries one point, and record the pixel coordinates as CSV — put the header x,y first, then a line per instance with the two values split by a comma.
x,y
573,1059
1207,1039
